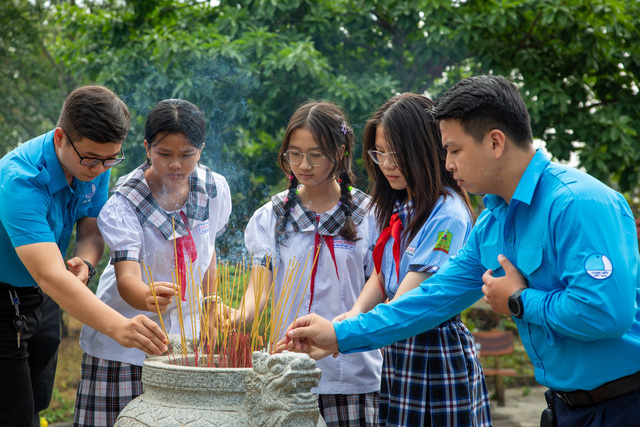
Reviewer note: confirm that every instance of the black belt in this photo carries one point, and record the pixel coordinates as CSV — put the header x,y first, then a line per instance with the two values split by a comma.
x,y
17,288
608,391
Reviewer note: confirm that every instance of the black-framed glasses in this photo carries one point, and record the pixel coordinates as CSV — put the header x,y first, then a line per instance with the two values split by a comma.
x,y
295,157
92,161
379,157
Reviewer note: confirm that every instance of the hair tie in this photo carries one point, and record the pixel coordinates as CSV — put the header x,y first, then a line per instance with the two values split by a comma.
x,y
350,188
346,153
291,176
340,203
286,199
344,128
297,191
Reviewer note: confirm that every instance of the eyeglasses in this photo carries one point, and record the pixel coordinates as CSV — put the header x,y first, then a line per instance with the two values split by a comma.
x,y
92,161
379,157
295,157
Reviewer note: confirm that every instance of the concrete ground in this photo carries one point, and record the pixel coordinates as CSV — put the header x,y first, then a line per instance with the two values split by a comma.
x,y
521,409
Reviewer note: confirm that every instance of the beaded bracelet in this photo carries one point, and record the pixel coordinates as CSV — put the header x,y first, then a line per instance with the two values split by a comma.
x,y
211,298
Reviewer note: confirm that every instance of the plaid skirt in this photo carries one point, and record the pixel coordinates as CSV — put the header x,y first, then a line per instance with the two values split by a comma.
x,y
106,387
434,379
350,410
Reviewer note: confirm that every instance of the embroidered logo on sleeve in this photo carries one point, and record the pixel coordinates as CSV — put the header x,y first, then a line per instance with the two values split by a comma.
x,y
444,241
598,266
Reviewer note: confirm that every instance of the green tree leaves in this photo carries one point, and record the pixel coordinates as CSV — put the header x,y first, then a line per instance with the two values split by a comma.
x,y
249,63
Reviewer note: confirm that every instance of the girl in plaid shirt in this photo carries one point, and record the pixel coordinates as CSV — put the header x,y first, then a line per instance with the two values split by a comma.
x,y
434,378
137,223
320,213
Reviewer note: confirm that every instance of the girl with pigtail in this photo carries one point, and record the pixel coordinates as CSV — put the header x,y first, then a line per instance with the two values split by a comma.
x,y
161,223
434,378
323,217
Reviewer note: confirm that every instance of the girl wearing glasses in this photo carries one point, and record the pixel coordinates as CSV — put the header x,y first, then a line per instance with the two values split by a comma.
x,y
170,191
321,215
432,379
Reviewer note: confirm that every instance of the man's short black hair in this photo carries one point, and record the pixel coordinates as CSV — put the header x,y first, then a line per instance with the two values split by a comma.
x,y
484,103
95,113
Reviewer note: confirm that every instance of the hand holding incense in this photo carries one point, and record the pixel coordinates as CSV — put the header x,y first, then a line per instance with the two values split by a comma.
x,y
160,296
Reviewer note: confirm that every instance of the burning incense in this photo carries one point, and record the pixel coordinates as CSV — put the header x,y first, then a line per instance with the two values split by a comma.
x,y
217,331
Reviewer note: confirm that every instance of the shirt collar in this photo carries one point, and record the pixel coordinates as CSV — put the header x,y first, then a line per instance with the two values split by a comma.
x,y
527,184
57,178
135,189
403,209
330,222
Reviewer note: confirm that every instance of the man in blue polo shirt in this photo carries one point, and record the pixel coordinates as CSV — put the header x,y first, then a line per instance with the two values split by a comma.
x,y
48,185
555,248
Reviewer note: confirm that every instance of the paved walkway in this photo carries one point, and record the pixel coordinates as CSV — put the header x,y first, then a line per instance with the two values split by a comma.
x,y
520,410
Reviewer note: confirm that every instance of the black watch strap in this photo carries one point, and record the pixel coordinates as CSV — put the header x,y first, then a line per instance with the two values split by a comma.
x,y
92,271
516,308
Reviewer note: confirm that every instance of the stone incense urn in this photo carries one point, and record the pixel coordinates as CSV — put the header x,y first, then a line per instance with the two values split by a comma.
x,y
275,392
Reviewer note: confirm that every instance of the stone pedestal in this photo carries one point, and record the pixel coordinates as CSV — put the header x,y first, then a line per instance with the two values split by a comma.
x,y
275,392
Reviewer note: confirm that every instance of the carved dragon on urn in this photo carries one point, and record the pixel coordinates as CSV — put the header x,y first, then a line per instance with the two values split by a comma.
x,y
278,390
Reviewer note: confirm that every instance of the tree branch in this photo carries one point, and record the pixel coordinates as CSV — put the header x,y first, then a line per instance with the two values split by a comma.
x,y
520,44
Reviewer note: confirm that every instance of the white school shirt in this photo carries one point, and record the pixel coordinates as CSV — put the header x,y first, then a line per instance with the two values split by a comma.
x,y
132,231
347,374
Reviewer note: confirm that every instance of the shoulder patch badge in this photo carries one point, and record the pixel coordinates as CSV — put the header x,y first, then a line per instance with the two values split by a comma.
x,y
444,241
598,266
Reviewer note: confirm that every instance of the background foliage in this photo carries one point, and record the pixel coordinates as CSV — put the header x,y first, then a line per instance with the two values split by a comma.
x,y
248,64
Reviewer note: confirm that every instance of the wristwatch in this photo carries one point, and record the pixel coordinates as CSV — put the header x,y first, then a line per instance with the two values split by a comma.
x,y
515,304
92,271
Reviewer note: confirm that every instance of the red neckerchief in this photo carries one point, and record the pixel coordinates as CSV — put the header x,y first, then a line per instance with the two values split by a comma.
x,y
394,230
185,244
316,249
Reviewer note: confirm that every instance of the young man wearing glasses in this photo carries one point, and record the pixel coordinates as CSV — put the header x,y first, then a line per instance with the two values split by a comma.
x,y
48,185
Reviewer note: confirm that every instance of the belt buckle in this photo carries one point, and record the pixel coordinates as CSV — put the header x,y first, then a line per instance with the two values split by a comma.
x,y
565,399
568,401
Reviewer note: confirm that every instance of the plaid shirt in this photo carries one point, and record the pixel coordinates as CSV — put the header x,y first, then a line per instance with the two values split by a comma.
x,y
330,224
134,187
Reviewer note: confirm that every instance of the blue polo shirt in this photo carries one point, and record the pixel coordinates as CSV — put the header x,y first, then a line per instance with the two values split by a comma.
x,y
37,205
574,241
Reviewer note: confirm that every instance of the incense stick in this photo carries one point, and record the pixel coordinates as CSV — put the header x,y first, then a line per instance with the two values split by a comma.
x,y
155,300
234,341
